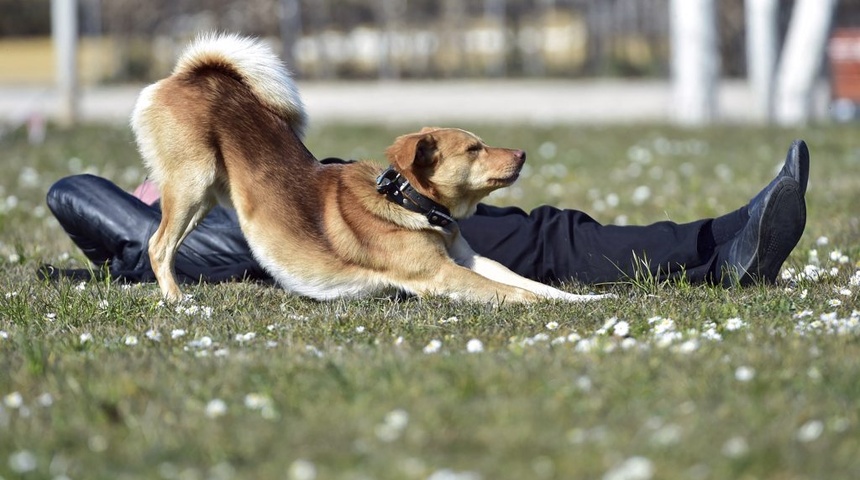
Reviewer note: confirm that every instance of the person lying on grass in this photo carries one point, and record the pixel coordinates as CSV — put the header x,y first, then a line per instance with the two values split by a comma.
x,y
745,246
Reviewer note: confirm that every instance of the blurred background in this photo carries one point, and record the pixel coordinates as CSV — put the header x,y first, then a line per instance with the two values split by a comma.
x,y
689,61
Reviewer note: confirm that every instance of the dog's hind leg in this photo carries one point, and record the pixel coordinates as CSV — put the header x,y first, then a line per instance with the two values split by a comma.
x,y
182,209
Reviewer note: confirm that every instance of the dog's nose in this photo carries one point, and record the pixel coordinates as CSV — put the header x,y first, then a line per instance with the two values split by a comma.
x,y
521,155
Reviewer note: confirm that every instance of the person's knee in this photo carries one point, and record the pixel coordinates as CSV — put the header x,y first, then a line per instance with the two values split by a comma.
x,y
65,188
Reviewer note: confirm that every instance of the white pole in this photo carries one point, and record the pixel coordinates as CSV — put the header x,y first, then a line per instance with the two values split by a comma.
x,y
801,61
64,29
695,61
762,50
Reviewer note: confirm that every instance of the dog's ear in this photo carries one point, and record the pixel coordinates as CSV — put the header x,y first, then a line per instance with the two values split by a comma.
x,y
416,150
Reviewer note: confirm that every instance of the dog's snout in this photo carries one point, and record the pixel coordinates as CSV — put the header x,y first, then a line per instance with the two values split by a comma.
x,y
520,155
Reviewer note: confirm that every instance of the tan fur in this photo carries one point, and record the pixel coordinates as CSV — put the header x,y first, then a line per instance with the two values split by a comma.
x,y
208,134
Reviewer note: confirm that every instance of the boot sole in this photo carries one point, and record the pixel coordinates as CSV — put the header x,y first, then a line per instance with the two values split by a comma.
x,y
779,232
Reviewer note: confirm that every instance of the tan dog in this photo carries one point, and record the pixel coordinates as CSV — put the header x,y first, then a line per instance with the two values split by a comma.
x,y
226,126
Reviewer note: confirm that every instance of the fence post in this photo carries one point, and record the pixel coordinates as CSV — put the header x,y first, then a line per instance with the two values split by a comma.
x,y
801,60
761,23
695,61
64,30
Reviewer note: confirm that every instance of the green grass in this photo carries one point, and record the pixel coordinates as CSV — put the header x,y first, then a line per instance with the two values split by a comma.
x,y
98,380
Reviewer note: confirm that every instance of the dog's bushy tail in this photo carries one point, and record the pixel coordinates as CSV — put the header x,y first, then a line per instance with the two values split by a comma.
x,y
255,64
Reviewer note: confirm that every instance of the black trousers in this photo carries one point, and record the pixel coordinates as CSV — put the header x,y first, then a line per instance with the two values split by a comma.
x,y
112,228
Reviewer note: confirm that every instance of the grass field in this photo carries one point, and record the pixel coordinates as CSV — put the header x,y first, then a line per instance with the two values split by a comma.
x,y
666,381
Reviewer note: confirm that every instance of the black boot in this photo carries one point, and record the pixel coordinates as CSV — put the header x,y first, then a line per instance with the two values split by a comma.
x,y
776,220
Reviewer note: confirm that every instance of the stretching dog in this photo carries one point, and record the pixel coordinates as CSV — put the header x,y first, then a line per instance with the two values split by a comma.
x,y
226,127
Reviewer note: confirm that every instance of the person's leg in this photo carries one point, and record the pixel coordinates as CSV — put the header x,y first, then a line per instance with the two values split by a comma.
x,y
552,245
748,244
113,227
105,222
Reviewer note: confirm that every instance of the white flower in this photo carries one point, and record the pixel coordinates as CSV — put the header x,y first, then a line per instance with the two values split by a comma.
x,y
583,383
392,425
85,337
448,320
552,325
744,374
609,323
735,447
45,399
667,435
177,332
153,335
50,317
474,346
845,292
634,468
203,342
13,400
257,401
689,346
130,340
216,408
735,323
822,241
359,329
810,431
433,346
302,470
3,335
22,461
834,302
448,474
397,418
244,337
641,194
621,329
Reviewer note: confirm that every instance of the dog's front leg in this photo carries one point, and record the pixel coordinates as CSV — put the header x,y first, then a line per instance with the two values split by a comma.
x,y
465,256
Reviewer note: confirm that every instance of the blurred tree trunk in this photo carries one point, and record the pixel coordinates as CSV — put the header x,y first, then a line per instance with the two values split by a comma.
x,y
802,57
762,51
695,61
389,14
291,30
452,44
64,26
495,13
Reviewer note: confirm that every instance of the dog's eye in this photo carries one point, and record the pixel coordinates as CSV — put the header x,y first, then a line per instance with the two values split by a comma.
x,y
475,148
